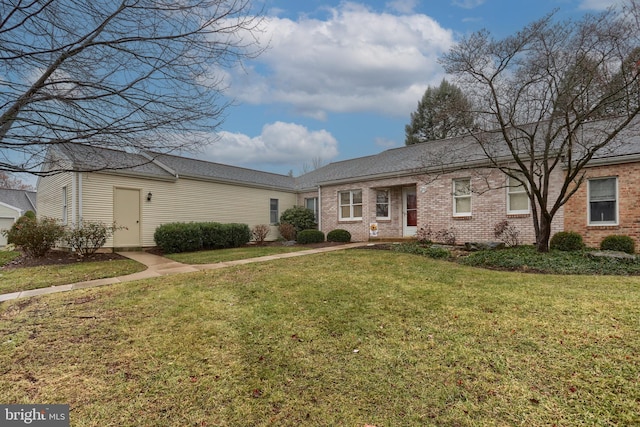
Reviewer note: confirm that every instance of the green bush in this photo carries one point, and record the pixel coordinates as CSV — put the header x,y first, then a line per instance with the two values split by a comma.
x,y
238,234
178,237
35,237
567,241
300,217
88,237
214,235
310,236
338,235
618,243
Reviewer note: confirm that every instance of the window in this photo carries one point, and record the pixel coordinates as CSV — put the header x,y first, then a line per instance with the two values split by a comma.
x,y
350,204
312,204
462,197
273,211
517,198
382,204
603,201
64,204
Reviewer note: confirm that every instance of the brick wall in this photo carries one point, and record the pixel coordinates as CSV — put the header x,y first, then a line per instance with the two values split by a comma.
x,y
576,209
435,207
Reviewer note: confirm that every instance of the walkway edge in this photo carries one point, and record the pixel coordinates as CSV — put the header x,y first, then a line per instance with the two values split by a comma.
x,y
158,266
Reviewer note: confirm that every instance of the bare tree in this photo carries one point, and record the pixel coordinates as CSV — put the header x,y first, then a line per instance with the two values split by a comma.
x,y
128,74
550,98
11,182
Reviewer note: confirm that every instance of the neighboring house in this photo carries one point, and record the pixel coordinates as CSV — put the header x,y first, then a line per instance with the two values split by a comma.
x,y
443,186
152,189
14,204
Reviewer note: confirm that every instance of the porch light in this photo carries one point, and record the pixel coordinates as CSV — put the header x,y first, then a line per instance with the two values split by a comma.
x,y
149,196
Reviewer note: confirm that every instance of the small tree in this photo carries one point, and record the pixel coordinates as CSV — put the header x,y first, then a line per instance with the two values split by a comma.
x,y
443,112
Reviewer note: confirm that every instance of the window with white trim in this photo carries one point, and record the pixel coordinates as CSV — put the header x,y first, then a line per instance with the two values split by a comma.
x,y
312,204
603,201
382,204
273,211
350,204
517,198
462,197
64,205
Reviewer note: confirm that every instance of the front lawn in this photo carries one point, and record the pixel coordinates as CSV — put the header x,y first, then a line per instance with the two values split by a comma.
x,y
224,255
344,338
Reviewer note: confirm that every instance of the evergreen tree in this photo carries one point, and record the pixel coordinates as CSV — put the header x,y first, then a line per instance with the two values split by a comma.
x,y
443,112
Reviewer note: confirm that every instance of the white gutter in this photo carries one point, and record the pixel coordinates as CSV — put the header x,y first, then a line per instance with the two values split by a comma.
x,y
73,198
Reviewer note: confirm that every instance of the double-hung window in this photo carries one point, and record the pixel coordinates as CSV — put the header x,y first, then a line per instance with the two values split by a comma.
x,y
462,197
312,204
350,204
64,205
273,211
603,201
382,204
517,198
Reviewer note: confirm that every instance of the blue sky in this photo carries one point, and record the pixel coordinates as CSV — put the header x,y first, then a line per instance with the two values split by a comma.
x,y
340,78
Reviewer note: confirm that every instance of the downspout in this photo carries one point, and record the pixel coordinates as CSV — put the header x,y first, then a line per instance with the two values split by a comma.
x,y
80,196
319,208
74,196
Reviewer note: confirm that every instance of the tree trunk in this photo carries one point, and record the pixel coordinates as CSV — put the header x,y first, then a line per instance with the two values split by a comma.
x,y
543,234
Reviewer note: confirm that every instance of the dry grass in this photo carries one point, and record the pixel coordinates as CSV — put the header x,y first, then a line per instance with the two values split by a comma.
x,y
345,338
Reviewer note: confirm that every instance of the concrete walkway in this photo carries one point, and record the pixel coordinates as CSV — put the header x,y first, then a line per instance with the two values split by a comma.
x,y
158,266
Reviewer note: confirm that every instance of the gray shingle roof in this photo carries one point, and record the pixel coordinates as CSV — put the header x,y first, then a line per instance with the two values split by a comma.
x,y
21,199
201,169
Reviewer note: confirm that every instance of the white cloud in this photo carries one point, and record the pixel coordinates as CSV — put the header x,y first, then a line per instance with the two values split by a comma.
x,y
403,6
598,4
467,4
354,60
278,144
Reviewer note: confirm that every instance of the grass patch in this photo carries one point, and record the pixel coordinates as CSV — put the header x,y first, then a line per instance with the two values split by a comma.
x,y
23,279
343,338
223,255
526,258
8,256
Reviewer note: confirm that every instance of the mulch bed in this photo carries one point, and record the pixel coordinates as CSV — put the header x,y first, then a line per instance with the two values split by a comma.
x,y
58,258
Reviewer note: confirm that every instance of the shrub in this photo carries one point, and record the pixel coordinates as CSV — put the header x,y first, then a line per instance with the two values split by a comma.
x,y
424,235
287,231
88,237
446,236
35,237
339,235
238,235
618,243
300,217
260,232
214,235
567,241
178,237
507,233
310,236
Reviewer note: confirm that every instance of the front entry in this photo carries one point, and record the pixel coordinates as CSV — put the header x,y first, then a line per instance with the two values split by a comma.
x,y
126,214
409,212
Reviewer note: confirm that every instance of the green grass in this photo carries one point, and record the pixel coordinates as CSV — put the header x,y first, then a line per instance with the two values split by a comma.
x,y
345,338
8,256
23,279
223,255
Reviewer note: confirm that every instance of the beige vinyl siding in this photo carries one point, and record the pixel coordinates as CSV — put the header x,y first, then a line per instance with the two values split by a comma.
x,y
49,196
7,212
184,200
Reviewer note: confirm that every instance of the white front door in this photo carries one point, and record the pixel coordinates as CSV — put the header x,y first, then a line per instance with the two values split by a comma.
x,y
126,214
409,212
